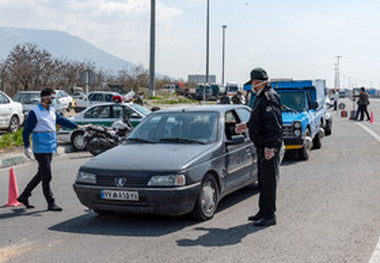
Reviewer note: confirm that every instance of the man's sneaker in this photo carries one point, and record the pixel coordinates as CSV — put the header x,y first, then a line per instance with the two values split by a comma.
x,y
54,207
25,202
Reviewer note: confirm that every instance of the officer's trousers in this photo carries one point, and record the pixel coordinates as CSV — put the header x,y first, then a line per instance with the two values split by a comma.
x,y
268,174
44,175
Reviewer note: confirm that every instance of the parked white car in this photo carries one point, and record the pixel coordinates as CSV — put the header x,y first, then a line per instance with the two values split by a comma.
x,y
65,99
95,97
11,115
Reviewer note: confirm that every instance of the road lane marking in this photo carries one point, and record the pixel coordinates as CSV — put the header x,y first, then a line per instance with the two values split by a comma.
x,y
372,133
375,258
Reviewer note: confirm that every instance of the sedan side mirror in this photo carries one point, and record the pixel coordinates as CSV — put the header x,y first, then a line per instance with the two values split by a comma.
x,y
135,116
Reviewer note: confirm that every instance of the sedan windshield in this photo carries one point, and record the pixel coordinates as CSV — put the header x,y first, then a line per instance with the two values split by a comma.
x,y
177,127
27,98
140,109
292,101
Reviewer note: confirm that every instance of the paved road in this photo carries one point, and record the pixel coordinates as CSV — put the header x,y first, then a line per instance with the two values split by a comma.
x,y
327,212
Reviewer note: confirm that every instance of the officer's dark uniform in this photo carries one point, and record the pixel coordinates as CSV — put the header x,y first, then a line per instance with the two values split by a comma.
x,y
265,130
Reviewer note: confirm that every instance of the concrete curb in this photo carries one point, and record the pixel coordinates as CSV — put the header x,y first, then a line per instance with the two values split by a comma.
x,y
20,159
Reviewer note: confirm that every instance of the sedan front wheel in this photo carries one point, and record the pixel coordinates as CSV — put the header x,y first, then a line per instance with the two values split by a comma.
x,y
207,200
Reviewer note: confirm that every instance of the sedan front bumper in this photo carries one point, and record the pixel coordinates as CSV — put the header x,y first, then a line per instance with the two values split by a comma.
x,y
161,201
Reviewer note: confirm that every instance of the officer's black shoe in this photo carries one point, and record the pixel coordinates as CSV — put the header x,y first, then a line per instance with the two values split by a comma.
x,y
25,202
255,217
265,222
55,208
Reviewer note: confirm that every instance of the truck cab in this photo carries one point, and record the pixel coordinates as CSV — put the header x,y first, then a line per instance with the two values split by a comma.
x,y
304,114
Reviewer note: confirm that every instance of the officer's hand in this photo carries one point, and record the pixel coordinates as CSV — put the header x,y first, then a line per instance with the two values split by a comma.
x,y
269,153
240,127
28,153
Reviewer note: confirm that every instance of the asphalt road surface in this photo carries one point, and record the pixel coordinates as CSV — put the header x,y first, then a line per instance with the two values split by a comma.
x,y
327,211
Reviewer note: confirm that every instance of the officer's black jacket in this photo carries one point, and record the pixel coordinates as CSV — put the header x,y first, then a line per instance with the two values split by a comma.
x,y
265,123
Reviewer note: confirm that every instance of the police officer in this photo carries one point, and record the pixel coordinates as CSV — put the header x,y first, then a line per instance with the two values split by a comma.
x,y
41,123
225,99
265,130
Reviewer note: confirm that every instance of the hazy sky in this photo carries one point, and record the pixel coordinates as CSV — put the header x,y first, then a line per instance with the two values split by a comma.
x,y
289,38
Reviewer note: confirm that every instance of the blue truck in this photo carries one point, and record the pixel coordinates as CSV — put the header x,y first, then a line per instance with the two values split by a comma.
x,y
306,119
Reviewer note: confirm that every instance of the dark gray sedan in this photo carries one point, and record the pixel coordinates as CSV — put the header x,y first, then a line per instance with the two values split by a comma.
x,y
175,162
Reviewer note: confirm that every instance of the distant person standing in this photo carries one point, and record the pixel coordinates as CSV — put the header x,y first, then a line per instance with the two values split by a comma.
x,y
236,99
265,130
225,99
41,123
336,99
363,103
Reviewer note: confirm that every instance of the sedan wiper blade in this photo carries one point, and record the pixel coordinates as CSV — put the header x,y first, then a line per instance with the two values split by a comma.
x,y
139,140
183,140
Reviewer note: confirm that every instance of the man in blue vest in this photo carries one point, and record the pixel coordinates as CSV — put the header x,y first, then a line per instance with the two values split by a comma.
x,y
41,124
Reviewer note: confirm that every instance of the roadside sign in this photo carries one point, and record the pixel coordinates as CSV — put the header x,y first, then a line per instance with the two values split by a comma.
x,y
88,77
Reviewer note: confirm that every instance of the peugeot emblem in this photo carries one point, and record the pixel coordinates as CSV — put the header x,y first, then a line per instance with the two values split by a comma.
x,y
120,181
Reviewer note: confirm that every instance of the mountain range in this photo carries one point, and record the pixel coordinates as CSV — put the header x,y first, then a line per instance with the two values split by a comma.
x,y
61,45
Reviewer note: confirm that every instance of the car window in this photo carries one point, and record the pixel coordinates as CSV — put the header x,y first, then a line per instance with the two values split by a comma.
x,y
118,112
99,112
140,109
244,114
108,97
127,110
179,127
231,119
27,98
3,99
96,97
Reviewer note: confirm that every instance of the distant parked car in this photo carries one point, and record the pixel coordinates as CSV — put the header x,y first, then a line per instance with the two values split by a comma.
x,y
177,161
11,115
103,114
29,99
65,99
95,97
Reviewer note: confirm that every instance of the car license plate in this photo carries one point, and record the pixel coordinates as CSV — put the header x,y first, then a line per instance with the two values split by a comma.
x,y
119,195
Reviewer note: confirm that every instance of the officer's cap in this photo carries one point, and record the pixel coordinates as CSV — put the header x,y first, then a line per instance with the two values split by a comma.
x,y
257,74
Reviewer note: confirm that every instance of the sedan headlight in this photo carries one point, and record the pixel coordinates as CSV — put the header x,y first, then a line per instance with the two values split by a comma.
x,y
86,178
167,180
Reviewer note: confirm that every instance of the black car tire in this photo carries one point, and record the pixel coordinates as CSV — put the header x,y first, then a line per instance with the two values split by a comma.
x,y
79,144
305,151
102,212
207,200
14,124
317,141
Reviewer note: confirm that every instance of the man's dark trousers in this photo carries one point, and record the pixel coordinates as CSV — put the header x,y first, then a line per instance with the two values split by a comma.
x,y
44,175
268,173
363,109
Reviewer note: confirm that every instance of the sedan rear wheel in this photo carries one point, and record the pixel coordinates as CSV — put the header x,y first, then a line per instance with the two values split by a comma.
x,y
14,124
207,200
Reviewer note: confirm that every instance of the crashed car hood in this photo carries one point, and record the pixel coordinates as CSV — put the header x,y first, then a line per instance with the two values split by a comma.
x,y
148,157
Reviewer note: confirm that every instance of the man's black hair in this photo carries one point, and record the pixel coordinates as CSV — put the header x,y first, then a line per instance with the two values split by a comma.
x,y
362,89
47,92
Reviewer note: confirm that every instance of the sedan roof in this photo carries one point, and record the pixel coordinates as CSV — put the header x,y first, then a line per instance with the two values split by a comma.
x,y
217,108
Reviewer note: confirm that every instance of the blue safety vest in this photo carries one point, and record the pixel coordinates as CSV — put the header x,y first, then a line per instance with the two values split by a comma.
x,y
44,136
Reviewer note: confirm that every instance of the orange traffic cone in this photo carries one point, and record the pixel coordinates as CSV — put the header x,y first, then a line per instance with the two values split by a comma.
x,y
372,120
13,190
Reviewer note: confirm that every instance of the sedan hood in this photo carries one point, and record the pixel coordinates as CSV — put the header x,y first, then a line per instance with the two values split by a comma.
x,y
147,157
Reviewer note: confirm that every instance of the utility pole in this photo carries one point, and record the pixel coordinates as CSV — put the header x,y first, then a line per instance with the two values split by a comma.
x,y
152,47
207,48
224,27
337,73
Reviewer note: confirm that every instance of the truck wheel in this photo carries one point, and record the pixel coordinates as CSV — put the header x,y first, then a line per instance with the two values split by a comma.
x,y
305,151
79,144
328,130
14,124
207,200
317,141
